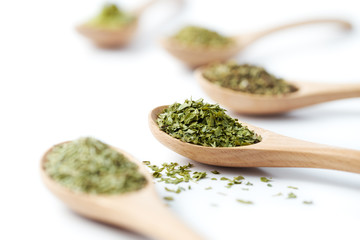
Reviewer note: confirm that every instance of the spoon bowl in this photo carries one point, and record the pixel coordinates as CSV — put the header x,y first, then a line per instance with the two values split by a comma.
x,y
141,211
307,94
274,150
109,38
115,38
198,56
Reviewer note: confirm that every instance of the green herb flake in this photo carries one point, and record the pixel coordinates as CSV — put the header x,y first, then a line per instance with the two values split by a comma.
x,y
204,124
244,201
169,198
156,174
249,184
194,36
291,195
111,17
208,188
293,187
214,179
269,185
278,194
198,175
245,189
177,191
264,179
224,179
146,162
308,202
215,172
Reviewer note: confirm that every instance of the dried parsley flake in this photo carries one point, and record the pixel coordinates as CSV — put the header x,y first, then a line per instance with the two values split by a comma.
x,y
246,78
91,166
111,17
194,36
204,124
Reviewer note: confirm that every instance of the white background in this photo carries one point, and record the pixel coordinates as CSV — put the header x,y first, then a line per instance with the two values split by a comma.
x,y
55,86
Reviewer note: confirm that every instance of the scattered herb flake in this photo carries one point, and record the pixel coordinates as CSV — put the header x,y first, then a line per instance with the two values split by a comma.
x,y
169,198
244,201
291,195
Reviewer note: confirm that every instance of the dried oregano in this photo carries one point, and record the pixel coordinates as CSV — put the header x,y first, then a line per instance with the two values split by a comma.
x,y
89,165
204,124
194,36
111,17
246,78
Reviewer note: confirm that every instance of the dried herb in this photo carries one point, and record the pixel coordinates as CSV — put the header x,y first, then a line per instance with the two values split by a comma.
x,y
89,165
204,124
208,188
178,190
269,185
246,78
169,198
293,187
215,172
264,179
307,202
291,195
194,36
111,17
243,201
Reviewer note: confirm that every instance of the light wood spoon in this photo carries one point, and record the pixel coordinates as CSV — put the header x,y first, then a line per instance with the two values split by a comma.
x,y
273,151
194,57
141,211
307,94
115,38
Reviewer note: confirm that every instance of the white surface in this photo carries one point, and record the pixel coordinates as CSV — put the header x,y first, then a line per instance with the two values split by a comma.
x,y
55,86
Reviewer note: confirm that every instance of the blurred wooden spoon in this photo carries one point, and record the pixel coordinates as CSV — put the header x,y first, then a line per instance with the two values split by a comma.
x,y
194,57
115,38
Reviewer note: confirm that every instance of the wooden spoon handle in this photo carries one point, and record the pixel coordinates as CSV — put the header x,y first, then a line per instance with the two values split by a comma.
x,y
149,216
327,92
246,39
297,153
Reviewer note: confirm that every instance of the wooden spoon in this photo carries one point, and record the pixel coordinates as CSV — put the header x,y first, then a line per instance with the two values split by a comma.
x,y
141,211
273,151
194,57
307,94
114,38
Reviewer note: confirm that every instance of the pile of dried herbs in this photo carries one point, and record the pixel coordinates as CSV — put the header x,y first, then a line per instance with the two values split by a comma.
x,y
204,124
246,78
193,36
111,17
89,165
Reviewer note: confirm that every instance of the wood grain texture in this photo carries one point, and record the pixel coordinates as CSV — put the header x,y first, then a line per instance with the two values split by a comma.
x,y
141,211
273,151
307,94
197,56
